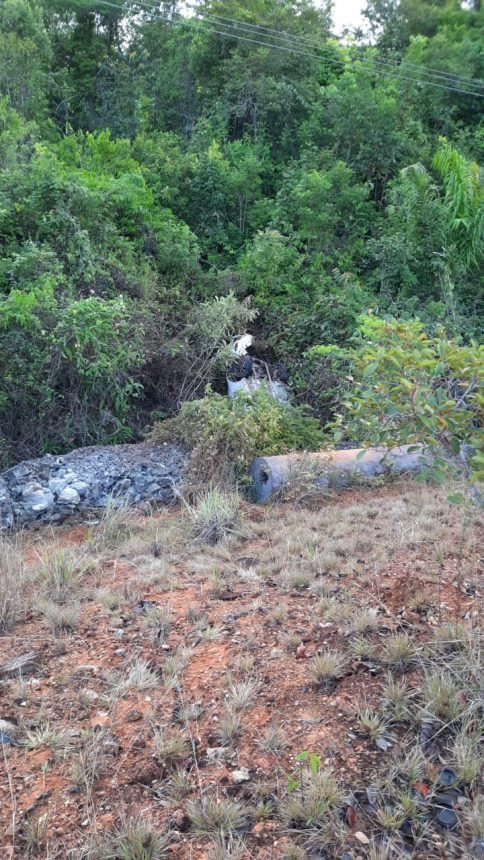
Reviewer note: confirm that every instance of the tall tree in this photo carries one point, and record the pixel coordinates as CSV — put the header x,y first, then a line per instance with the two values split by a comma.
x,y
25,56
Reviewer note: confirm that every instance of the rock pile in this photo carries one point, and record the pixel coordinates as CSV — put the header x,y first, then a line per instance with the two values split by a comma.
x,y
51,488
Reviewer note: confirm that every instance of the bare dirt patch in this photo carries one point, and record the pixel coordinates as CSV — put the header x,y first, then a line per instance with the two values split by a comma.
x,y
180,690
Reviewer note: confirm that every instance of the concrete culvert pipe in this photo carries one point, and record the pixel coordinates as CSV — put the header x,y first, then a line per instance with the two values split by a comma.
x,y
333,468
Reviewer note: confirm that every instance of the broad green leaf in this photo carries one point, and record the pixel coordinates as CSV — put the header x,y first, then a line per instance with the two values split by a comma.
x,y
456,499
455,445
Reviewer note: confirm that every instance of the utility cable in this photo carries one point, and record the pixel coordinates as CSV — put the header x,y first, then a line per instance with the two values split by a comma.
x,y
198,23
450,77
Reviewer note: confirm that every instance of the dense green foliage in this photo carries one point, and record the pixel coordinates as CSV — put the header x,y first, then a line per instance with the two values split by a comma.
x,y
225,435
410,388
164,186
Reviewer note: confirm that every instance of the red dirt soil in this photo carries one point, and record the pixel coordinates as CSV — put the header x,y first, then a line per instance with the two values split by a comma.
x,y
71,689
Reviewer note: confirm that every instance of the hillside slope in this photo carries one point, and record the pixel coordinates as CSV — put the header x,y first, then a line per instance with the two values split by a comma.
x,y
175,685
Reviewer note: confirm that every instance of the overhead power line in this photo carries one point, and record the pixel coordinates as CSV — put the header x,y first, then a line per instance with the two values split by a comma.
x,y
450,77
296,43
199,24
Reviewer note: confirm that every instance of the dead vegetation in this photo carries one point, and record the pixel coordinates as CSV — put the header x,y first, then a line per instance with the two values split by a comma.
x,y
12,583
230,682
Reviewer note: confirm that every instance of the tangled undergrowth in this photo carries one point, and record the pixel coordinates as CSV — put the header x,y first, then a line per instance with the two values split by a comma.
x,y
224,435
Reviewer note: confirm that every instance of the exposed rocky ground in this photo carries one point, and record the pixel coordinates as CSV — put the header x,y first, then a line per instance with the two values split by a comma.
x,y
170,687
49,489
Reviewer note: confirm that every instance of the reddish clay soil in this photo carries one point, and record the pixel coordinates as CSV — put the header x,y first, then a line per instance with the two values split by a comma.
x,y
385,547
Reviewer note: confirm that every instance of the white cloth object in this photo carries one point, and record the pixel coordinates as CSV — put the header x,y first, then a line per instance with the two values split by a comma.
x,y
242,344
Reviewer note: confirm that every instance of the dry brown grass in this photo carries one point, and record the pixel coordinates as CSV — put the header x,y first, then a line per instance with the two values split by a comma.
x,y
13,583
255,649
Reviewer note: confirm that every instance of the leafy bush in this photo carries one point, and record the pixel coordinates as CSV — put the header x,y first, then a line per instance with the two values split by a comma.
x,y
319,379
409,387
300,303
225,435
86,262
133,193
68,370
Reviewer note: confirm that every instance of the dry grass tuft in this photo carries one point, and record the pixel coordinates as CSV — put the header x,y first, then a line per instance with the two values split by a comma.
x,y
327,667
363,649
60,617
175,664
409,767
363,621
109,600
274,740
308,806
138,675
221,817
292,851
241,695
227,849
116,526
397,698
306,483
90,762
215,516
60,570
441,697
60,739
230,727
399,651
133,839
171,750
13,579
371,723
466,753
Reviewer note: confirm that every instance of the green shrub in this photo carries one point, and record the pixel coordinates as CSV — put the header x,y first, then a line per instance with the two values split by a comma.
x,y
300,303
224,435
68,371
408,387
88,263
319,379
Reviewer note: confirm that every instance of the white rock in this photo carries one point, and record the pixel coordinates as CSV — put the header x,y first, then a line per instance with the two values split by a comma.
x,y
37,498
31,488
81,487
215,753
7,727
362,838
40,506
91,695
241,775
69,476
56,485
69,496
